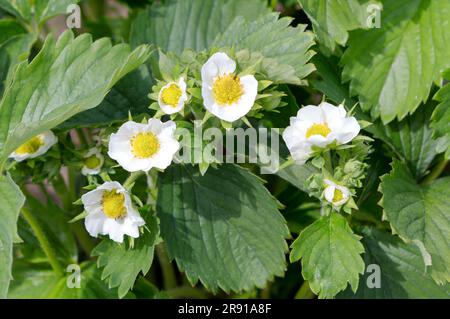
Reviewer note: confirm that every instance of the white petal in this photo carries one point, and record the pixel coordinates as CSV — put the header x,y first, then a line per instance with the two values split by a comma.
x,y
89,171
218,64
115,230
329,193
295,141
19,157
311,113
94,223
319,140
49,139
349,130
112,185
92,198
330,111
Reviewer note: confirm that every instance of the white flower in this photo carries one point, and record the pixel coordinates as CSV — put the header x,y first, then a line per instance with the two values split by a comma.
x,y
93,162
110,212
336,194
35,146
226,95
172,97
140,147
318,126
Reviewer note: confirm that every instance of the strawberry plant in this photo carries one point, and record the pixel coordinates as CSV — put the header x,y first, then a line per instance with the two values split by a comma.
x,y
224,148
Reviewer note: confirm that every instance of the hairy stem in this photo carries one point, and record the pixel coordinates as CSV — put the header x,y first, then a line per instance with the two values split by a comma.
x,y
43,241
131,179
436,172
169,277
328,161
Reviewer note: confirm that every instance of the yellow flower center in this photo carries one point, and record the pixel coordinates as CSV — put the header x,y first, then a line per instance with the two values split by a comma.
x,y
227,89
31,146
92,162
113,204
338,196
318,129
145,145
171,95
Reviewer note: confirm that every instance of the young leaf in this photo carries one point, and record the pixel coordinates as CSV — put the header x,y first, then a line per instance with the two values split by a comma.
x,y
190,24
401,270
65,78
274,39
11,201
223,228
333,19
441,115
420,214
331,255
123,264
407,54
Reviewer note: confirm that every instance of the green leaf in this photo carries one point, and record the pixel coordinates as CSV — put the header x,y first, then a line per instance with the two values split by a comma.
x,y
37,282
411,139
39,10
122,264
330,82
15,45
11,201
190,24
402,270
128,96
65,78
332,20
275,39
331,255
225,217
420,214
441,116
297,174
407,54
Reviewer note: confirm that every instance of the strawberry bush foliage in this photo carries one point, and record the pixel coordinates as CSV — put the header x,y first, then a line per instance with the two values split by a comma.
x,y
102,194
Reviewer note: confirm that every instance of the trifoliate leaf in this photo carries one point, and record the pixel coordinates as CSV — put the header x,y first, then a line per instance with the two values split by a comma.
x,y
190,24
420,214
331,255
223,228
332,20
123,264
394,270
274,39
11,201
65,78
441,116
407,54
